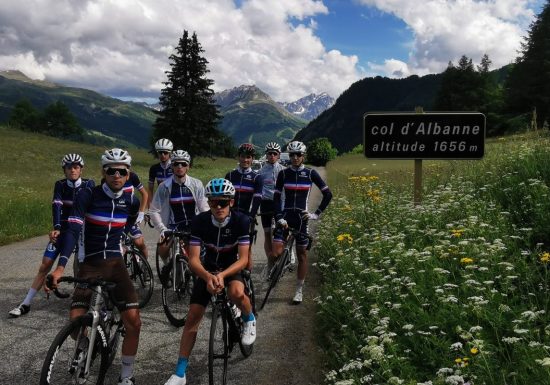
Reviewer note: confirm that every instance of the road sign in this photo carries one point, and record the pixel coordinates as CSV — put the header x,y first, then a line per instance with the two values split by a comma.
x,y
429,135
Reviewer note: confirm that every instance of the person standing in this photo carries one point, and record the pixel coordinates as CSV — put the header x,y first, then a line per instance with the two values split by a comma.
x,y
161,171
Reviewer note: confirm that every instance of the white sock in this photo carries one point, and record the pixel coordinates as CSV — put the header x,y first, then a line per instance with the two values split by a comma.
x,y
127,366
30,295
300,284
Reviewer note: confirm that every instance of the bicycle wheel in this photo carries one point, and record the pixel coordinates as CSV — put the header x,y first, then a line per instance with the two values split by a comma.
x,y
218,348
141,275
66,359
276,274
115,331
175,297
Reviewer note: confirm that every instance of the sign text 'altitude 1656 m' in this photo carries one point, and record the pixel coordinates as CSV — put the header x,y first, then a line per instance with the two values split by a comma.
x,y
424,136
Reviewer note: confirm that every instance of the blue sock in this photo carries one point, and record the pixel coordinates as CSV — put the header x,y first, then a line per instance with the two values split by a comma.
x,y
181,366
249,317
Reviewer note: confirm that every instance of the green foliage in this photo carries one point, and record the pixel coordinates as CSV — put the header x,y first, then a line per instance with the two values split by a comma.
x,y
188,115
359,149
320,151
24,116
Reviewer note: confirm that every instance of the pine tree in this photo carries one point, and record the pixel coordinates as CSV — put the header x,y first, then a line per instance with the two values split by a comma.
x,y
528,85
188,114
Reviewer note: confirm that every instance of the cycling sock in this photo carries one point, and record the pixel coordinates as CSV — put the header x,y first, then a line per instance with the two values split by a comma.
x,y
30,295
127,366
300,283
181,366
249,317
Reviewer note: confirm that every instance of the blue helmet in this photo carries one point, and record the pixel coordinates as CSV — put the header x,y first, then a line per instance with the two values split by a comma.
x,y
219,188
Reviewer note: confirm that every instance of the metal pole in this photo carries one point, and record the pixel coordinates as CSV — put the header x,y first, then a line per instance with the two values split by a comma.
x,y
418,171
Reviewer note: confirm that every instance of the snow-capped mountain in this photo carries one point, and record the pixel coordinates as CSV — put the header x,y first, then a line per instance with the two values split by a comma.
x,y
311,106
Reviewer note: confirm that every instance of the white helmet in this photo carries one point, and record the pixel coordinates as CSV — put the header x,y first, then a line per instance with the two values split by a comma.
x,y
180,156
272,146
219,188
69,159
164,145
296,146
116,156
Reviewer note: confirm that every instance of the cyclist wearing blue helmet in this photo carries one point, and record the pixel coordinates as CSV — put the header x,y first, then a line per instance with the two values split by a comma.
x,y
225,235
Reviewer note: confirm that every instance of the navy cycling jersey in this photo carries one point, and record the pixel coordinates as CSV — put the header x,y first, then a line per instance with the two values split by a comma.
x,y
160,173
296,185
64,192
221,241
248,190
182,203
105,216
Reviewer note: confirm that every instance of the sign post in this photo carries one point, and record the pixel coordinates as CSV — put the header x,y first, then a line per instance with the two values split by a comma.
x,y
418,136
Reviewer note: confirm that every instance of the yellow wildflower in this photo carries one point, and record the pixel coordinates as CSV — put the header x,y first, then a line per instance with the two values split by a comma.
x,y
457,233
545,257
466,260
474,350
344,238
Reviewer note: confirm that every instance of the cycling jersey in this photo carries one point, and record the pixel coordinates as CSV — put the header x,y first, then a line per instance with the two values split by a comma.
x,y
160,172
296,185
176,204
64,192
248,190
268,174
105,216
133,183
221,240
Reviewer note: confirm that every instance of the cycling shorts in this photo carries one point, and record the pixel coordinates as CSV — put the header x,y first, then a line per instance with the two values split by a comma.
x,y
53,249
135,232
294,220
201,295
268,207
111,270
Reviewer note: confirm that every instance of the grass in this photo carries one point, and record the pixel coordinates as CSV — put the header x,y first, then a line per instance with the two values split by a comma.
x,y
453,291
31,163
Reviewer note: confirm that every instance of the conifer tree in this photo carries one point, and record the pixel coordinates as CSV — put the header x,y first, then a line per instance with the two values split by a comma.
x,y
528,85
188,114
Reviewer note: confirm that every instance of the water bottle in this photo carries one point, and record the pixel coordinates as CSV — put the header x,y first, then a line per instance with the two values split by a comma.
x,y
235,311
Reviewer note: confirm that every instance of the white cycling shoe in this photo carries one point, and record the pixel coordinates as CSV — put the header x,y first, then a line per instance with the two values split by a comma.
x,y
126,381
175,380
298,297
249,333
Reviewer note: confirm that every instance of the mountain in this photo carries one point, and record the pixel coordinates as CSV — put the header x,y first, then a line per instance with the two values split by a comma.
x,y
102,115
251,115
311,106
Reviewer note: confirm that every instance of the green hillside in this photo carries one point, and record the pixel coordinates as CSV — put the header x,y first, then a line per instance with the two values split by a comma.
x,y
131,122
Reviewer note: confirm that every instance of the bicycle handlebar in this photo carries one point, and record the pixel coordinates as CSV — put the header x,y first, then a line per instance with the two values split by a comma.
x,y
87,283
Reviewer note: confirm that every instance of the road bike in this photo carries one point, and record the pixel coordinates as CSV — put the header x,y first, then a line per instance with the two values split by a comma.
x,y
226,330
176,278
284,263
84,349
140,272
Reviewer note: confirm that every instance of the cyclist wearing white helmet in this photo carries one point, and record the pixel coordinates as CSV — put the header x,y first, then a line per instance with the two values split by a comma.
x,y
107,213
268,174
295,183
64,193
224,233
161,171
176,202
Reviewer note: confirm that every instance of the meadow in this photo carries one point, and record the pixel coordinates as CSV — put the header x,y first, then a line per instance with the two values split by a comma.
x,y
31,163
451,291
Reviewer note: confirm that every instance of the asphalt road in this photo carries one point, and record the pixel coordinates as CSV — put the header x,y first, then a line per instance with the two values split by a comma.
x,y
284,352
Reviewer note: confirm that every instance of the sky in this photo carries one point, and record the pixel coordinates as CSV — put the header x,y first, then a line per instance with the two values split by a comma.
x,y
288,48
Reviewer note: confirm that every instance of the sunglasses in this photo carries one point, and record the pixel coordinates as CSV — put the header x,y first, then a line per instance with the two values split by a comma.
x,y
111,171
221,203
163,152
295,154
180,164
273,153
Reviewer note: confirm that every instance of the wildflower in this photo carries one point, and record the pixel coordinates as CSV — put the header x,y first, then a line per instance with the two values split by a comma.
x,y
545,257
466,260
474,350
457,233
345,238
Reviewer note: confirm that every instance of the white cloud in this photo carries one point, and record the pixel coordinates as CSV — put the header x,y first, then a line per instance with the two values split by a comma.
x,y
121,47
445,30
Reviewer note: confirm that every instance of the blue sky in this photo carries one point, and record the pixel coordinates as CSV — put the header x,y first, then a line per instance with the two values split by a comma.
x,y
288,48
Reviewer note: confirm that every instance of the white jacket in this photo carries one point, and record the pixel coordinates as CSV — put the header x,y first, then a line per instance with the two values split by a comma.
x,y
160,211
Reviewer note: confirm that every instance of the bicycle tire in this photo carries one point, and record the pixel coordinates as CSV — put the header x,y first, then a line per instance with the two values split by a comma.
x,y
276,275
141,275
116,330
157,263
64,361
175,298
218,348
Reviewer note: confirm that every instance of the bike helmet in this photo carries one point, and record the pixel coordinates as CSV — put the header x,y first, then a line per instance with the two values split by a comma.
x,y
246,149
180,156
272,146
116,156
219,188
296,146
69,159
164,145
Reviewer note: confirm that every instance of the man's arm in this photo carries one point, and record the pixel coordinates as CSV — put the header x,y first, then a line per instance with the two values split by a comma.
x,y
257,198
327,194
279,185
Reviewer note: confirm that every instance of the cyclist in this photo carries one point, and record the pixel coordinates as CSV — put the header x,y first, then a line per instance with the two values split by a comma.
x,y
248,186
161,171
176,202
225,235
64,192
295,183
268,173
105,211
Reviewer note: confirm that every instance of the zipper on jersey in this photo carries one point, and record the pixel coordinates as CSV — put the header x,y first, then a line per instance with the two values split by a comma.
x,y
109,228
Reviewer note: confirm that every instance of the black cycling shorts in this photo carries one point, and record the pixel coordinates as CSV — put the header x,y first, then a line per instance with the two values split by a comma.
x,y
201,295
268,207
